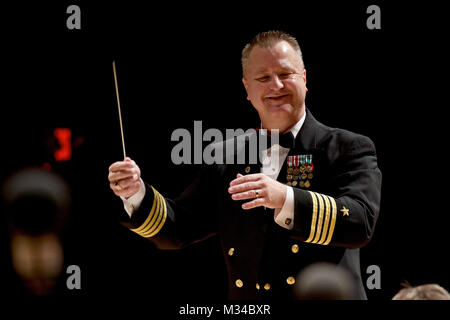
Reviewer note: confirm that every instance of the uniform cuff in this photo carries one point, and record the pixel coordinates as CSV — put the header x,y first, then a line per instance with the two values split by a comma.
x,y
285,216
132,203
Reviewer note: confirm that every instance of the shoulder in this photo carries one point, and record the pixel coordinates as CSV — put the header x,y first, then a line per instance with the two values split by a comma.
x,y
338,142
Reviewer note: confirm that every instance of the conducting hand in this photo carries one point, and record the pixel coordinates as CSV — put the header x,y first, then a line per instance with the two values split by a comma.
x,y
124,178
263,191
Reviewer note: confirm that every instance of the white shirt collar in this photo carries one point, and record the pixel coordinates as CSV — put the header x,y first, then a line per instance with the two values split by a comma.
x,y
296,128
268,167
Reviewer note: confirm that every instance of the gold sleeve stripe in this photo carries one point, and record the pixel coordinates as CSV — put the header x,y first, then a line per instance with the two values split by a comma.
x,y
151,215
164,217
333,220
320,222
314,217
159,215
327,219
155,217
323,220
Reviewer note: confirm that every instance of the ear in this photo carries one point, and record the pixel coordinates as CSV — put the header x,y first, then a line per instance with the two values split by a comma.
x,y
304,78
246,86
245,83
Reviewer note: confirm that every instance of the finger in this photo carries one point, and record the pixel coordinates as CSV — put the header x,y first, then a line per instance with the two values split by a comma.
x,y
239,175
123,174
247,195
247,178
116,164
118,190
132,189
125,183
123,193
129,160
253,204
245,186
121,165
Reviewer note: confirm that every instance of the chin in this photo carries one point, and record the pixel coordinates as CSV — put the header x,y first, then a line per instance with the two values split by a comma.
x,y
280,109
278,114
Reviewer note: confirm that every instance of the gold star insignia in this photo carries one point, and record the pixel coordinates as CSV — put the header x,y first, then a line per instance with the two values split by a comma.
x,y
345,211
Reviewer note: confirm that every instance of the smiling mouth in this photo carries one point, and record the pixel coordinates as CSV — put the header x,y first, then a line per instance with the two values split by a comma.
x,y
277,97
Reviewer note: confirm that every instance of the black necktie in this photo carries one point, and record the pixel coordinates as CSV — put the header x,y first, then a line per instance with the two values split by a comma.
x,y
287,140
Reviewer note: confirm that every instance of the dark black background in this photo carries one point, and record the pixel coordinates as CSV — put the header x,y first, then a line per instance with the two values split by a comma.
x,y
178,63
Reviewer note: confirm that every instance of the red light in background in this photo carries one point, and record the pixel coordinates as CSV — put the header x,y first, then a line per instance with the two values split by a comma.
x,y
64,136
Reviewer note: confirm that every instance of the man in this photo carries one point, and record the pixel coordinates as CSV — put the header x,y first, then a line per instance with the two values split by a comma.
x,y
319,204
431,291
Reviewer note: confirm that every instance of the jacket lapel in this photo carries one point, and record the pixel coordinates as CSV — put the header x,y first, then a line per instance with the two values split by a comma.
x,y
305,142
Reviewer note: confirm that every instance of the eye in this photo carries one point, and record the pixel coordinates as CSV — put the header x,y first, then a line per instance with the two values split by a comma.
x,y
263,79
285,75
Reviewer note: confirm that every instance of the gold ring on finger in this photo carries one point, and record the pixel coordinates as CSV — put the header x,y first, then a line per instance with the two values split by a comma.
x,y
117,186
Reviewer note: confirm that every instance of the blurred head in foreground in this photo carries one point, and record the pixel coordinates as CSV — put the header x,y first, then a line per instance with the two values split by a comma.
x,y
423,292
36,202
324,281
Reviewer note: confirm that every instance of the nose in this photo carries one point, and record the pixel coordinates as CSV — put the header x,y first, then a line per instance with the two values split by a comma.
x,y
276,83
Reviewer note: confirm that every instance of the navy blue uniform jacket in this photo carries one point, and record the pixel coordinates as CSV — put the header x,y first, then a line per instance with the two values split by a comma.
x,y
333,217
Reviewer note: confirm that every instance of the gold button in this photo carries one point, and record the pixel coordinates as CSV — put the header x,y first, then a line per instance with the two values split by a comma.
x,y
290,280
294,248
247,170
231,252
288,221
257,286
239,283
267,286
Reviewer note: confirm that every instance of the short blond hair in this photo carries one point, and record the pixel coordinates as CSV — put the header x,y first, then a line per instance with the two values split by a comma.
x,y
423,292
268,39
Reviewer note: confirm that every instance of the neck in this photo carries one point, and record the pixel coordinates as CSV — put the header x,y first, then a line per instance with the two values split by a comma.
x,y
284,125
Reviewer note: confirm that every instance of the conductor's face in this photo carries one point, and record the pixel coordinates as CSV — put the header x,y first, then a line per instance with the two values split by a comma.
x,y
275,81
